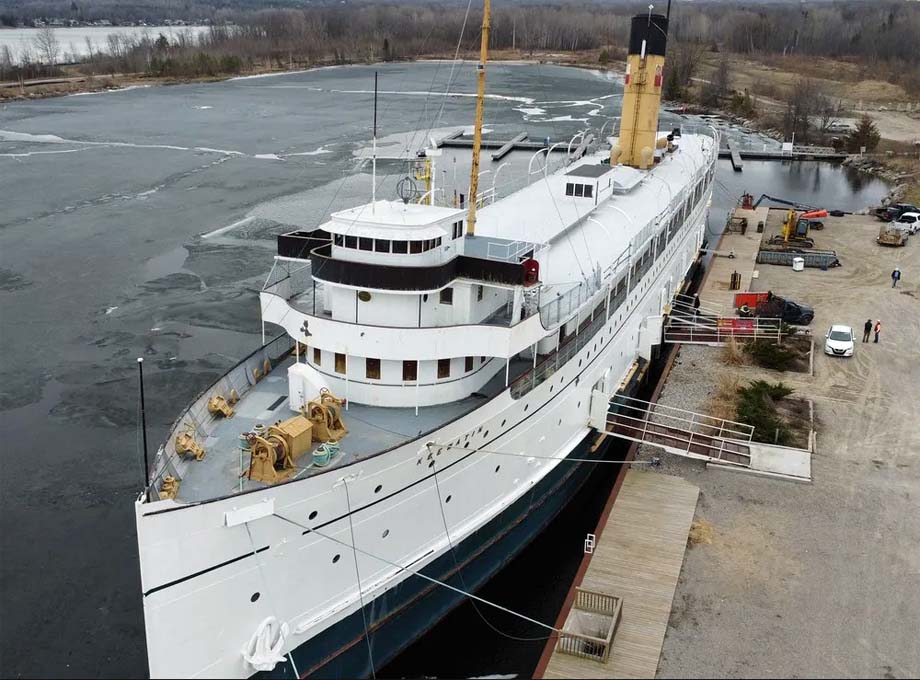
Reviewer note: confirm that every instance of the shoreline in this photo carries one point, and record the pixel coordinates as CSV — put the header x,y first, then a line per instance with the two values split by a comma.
x,y
78,84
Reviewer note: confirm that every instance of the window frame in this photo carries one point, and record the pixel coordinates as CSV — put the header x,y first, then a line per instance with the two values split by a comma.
x,y
410,370
446,296
443,368
372,368
343,360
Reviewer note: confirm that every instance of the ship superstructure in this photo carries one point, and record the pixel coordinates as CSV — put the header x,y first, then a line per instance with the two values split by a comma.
x,y
416,424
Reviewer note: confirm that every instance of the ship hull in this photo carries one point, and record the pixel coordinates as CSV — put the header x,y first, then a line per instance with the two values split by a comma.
x,y
407,611
211,579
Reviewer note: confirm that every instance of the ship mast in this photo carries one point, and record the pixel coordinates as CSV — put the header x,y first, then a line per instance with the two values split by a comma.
x,y
477,131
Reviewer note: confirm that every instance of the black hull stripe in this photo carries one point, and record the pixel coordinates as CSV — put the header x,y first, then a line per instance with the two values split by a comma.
x,y
204,571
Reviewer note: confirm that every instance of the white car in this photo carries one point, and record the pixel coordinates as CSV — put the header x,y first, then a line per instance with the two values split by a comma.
x,y
909,221
839,341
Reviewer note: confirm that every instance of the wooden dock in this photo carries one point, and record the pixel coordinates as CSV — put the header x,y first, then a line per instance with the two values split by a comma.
x,y
715,289
737,163
638,557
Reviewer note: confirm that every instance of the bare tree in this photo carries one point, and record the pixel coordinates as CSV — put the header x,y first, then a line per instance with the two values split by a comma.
x,y
48,47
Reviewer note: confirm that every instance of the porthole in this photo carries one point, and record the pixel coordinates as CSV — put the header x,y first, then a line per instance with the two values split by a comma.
x,y
336,558
561,379
447,500
255,597
560,421
588,355
551,388
380,486
431,464
526,406
579,405
313,514
486,435
579,363
386,532
503,422
498,467
479,430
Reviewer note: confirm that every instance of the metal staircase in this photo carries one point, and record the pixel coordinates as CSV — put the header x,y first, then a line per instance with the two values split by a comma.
x,y
707,325
683,433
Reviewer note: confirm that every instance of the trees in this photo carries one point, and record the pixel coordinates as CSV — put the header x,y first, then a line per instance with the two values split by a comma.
x,y
682,63
866,135
718,88
47,45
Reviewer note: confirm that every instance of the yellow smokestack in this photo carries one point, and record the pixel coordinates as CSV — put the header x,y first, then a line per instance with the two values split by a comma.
x,y
648,39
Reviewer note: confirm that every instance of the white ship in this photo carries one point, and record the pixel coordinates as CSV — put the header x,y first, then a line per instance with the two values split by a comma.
x,y
465,349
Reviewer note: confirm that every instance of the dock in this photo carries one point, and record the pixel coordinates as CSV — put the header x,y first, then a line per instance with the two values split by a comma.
x,y
638,556
716,289
737,163
509,145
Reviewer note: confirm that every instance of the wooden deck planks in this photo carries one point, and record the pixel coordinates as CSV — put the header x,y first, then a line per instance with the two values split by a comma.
x,y
638,558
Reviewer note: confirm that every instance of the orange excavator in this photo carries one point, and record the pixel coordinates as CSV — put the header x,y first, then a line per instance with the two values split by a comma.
x,y
796,227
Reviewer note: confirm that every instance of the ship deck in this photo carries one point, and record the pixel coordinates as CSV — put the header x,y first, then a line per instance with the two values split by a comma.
x,y
371,429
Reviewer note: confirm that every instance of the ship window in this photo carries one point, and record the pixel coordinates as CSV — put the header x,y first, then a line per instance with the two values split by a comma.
x,y
458,229
415,247
254,598
317,356
589,191
400,246
443,368
410,370
365,244
479,292
372,368
351,241
381,245
468,364
339,240
339,363
569,189
579,190
437,242
482,360
447,296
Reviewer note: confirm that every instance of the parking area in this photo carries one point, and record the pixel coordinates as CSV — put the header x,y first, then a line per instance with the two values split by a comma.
x,y
814,580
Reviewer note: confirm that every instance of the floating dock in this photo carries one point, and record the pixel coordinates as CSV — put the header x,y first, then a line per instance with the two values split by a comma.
x,y
640,544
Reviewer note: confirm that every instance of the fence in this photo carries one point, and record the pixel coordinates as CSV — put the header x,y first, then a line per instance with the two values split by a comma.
x,y
592,612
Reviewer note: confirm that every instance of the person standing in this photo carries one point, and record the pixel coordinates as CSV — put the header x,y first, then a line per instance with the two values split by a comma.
x,y
878,329
867,328
895,277
696,305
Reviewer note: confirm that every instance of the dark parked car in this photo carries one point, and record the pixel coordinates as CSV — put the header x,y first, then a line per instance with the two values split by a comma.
x,y
894,211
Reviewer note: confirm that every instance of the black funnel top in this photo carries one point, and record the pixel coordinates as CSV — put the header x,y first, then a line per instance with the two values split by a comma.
x,y
653,30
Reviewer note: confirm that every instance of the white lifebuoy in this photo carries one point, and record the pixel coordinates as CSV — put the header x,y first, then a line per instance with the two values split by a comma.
x,y
263,651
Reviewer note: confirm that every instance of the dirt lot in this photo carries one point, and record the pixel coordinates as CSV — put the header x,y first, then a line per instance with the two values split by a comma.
x,y
819,580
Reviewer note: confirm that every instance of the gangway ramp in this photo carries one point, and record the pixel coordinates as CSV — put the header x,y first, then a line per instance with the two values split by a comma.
x,y
702,329
721,443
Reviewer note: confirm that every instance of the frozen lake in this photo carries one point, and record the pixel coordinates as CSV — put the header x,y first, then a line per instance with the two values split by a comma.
x,y
74,40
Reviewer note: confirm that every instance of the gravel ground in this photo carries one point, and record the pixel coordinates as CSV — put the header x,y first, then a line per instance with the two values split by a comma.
x,y
819,580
